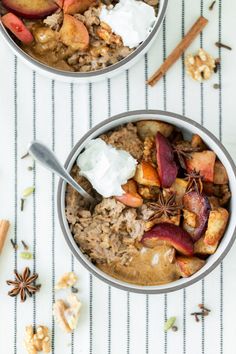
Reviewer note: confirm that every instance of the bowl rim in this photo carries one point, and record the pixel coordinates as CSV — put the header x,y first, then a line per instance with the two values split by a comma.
x,y
94,270
96,73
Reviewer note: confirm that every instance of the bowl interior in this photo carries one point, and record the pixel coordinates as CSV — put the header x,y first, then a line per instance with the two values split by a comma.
x,y
142,48
188,127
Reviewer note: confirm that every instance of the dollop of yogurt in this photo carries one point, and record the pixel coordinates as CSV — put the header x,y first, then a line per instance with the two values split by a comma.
x,y
130,19
106,168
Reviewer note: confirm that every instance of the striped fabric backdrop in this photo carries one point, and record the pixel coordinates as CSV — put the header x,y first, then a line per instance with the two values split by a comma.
x,y
34,107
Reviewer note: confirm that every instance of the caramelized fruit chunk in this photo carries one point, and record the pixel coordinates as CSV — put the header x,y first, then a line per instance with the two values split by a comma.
x,y
217,223
146,175
189,265
76,6
167,168
179,188
202,162
131,197
31,9
203,249
170,234
74,34
200,206
150,128
197,142
17,27
220,174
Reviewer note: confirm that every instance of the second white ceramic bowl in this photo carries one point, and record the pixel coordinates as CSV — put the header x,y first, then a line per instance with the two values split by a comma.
x,y
91,76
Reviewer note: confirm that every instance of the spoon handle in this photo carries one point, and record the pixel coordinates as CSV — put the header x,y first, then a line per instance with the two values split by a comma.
x,y
47,158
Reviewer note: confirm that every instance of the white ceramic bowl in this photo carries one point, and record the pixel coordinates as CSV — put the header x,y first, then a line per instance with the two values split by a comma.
x,y
91,76
188,127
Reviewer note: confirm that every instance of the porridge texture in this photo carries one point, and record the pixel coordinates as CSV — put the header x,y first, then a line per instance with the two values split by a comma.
x,y
70,35
171,215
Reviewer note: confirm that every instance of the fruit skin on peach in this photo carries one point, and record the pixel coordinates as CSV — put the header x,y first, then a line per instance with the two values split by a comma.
x,y
76,6
169,234
189,265
130,197
17,27
146,175
31,9
200,206
167,168
202,162
74,34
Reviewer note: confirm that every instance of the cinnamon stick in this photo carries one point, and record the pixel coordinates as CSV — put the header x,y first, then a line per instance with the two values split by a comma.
x,y
4,227
179,50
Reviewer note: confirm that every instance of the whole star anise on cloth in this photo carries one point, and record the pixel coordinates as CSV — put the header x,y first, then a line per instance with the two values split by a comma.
x,y
166,207
23,284
194,182
183,150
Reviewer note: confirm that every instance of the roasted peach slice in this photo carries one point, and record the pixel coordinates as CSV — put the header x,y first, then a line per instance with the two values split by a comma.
x,y
220,173
167,168
31,9
146,175
150,128
202,162
74,34
130,197
17,27
200,206
76,6
169,234
189,265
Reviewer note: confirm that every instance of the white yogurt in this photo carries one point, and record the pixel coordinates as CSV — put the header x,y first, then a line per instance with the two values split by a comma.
x,y
130,19
106,168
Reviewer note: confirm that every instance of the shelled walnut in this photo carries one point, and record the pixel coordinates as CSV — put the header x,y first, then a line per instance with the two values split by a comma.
x,y
67,280
38,341
67,313
200,66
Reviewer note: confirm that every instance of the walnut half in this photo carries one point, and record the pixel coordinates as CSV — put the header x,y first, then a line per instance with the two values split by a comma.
x,y
67,313
67,280
200,66
38,341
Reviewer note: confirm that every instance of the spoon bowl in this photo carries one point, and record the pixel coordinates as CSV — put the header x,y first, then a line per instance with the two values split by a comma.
x,y
46,157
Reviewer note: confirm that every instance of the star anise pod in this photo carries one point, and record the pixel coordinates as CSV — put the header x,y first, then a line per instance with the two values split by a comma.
x,y
194,179
23,284
183,151
166,207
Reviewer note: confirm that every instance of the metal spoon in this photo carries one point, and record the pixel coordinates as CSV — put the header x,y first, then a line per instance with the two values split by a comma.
x,y
47,158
